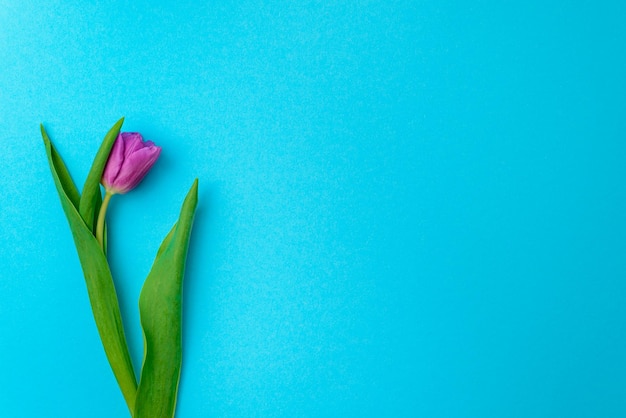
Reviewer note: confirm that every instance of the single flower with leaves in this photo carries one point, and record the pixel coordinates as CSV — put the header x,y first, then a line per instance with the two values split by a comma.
x,y
120,164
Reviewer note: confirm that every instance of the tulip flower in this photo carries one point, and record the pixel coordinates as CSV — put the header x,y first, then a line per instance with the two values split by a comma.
x,y
129,161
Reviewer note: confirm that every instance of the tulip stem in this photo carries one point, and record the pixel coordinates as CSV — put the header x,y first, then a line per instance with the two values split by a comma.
x,y
101,216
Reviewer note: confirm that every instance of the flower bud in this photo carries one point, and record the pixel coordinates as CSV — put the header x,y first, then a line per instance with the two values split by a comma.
x,y
129,161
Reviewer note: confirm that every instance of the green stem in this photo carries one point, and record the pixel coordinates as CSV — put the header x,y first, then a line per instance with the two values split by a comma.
x,y
101,216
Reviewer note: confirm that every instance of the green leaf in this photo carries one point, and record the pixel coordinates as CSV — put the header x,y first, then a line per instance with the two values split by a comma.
x,y
160,309
63,174
91,191
100,286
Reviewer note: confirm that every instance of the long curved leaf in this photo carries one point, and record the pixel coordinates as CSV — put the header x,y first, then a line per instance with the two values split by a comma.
x,y
160,304
98,279
89,201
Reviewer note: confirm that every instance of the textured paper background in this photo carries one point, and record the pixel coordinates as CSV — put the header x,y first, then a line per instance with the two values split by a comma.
x,y
406,208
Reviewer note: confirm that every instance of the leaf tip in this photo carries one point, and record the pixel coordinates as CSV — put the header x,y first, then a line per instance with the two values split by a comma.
x,y
192,195
194,189
44,134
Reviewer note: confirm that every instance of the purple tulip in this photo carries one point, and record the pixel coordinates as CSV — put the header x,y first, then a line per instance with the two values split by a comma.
x,y
130,160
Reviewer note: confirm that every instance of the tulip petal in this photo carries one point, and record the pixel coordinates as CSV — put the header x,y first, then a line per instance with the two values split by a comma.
x,y
135,167
133,142
114,163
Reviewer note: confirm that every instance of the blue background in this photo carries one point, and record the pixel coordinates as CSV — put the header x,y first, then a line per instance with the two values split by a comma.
x,y
406,208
